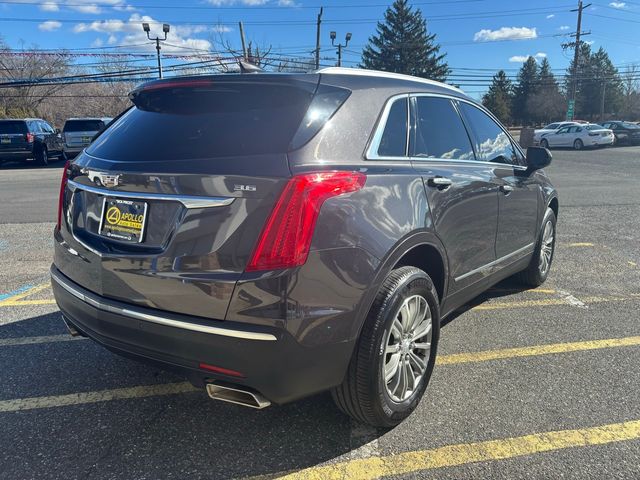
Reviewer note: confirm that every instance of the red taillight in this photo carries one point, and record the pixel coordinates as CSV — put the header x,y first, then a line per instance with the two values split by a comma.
x,y
286,237
30,137
63,186
224,371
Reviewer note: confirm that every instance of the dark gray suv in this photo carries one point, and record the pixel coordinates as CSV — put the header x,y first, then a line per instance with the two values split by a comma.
x,y
272,236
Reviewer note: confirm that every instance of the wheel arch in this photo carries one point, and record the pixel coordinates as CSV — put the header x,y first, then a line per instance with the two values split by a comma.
x,y
422,250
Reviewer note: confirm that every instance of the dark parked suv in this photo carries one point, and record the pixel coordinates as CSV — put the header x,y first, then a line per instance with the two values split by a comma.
x,y
625,132
276,235
27,139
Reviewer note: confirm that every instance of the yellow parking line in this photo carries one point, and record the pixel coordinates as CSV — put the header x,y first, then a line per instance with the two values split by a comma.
x,y
580,244
465,453
12,342
547,302
536,350
33,403
17,303
11,300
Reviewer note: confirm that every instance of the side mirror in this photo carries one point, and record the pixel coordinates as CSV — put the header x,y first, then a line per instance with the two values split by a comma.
x,y
538,158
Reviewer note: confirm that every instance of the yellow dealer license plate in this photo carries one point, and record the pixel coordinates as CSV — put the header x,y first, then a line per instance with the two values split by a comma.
x,y
123,220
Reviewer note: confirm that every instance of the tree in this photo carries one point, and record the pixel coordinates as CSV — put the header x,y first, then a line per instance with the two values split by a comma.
x,y
499,97
546,104
525,88
631,92
595,74
402,45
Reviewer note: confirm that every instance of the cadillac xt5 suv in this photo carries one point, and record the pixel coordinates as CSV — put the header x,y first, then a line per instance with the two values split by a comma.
x,y
271,236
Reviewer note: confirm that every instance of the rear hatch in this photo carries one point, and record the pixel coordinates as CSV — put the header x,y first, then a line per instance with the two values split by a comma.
x,y
79,133
164,208
13,136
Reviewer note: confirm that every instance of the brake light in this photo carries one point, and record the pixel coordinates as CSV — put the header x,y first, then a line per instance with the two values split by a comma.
x,y
63,186
30,137
286,237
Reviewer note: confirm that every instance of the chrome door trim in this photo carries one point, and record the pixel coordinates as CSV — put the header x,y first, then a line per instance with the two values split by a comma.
x,y
160,320
496,262
189,201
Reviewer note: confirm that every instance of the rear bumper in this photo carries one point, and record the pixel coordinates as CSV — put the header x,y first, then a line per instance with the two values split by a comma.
x,y
270,360
73,150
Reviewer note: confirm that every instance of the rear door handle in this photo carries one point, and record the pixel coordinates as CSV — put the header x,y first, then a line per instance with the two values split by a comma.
x,y
506,189
440,182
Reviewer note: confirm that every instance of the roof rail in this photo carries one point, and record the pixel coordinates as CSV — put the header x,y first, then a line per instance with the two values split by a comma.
x,y
381,74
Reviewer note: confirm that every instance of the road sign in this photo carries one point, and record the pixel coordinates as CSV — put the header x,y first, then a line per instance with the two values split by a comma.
x,y
570,109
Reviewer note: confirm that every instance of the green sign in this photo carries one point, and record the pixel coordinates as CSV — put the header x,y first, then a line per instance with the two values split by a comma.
x,y
570,109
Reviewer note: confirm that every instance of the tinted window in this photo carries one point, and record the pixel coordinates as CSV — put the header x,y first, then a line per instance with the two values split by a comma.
x,y
630,126
217,120
439,131
393,142
492,144
552,126
13,127
45,127
35,127
563,130
83,125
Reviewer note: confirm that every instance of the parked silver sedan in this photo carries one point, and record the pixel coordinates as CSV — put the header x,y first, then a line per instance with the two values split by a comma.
x,y
578,137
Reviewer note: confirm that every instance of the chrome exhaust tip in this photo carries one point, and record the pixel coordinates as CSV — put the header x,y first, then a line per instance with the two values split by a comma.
x,y
73,331
237,395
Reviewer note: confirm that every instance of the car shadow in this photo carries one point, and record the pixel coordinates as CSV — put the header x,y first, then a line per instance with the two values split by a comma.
x,y
504,288
183,435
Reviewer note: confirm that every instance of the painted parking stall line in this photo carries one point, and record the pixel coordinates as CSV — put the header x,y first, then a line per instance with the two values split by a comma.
x,y
13,342
12,298
21,404
466,453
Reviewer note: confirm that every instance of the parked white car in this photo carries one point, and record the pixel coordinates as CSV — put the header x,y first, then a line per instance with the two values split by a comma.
x,y
578,136
552,127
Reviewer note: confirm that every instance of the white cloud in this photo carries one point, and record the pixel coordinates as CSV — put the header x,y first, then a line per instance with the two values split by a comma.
x,y
287,3
180,39
505,33
49,26
618,5
550,16
590,42
101,26
49,7
564,28
98,42
524,58
91,7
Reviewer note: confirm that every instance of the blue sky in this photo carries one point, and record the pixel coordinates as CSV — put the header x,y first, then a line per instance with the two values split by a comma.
x,y
475,34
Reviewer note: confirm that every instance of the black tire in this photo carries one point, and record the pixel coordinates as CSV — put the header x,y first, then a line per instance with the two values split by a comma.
x,y
544,143
578,145
42,156
534,275
363,394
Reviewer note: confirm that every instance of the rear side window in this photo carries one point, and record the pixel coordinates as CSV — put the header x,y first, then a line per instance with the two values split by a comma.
x,y
83,125
209,120
492,144
13,128
439,131
393,142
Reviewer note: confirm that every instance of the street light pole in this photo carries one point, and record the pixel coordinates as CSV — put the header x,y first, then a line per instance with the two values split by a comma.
x,y
165,29
347,37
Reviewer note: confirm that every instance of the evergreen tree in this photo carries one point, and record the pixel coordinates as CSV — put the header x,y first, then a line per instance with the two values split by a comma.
x,y
499,97
596,73
402,45
525,88
547,104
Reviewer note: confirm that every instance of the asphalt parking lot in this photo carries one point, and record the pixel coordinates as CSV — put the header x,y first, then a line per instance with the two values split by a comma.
x,y
529,384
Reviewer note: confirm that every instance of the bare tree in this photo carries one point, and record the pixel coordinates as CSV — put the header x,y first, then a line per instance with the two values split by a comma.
x,y
631,92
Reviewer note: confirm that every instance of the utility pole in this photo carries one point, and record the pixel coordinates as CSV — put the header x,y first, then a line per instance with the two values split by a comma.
x,y
165,28
576,60
244,45
604,91
346,42
318,39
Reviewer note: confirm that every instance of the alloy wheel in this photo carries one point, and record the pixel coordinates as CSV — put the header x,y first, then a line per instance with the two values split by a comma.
x,y
546,248
408,348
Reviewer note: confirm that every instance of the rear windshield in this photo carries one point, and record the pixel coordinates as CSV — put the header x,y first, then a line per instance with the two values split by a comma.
x,y
217,120
83,126
630,126
13,127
